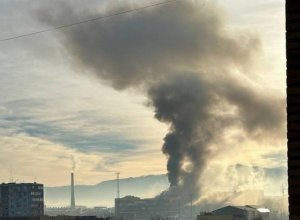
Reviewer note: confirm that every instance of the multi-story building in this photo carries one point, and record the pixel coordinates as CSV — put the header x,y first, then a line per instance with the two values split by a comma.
x,y
21,200
134,208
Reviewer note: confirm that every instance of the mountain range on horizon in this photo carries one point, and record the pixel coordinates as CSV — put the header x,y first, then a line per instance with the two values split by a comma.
x,y
104,193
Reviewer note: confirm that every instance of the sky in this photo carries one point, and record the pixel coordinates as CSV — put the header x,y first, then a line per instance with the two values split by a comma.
x,y
55,120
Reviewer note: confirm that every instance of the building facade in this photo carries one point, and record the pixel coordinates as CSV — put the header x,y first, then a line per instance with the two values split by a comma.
x,y
21,200
134,208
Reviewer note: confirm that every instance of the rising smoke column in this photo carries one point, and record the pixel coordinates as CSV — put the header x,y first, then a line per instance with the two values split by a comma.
x,y
181,57
181,102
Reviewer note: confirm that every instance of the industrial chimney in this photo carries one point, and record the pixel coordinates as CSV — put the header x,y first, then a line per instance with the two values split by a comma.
x,y
72,192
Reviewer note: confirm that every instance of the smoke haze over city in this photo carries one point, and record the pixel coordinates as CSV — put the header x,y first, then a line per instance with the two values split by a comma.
x,y
178,89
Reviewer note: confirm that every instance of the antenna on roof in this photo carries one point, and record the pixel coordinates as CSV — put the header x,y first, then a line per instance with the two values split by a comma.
x,y
11,177
118,185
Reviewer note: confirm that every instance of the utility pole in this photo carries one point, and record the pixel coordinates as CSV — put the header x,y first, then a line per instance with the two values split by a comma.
x,y
118,185
191,206
117,200
11,177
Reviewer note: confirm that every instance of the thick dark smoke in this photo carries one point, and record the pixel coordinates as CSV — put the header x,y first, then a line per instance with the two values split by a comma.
x,y
181,101
135,49
180,55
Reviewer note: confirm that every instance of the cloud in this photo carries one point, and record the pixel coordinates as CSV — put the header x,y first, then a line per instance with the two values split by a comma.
x,y
50,163
81,118
120,57
84,119
46,161
78,132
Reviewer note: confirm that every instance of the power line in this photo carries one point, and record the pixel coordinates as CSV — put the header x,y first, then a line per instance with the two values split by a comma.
x,y
89,20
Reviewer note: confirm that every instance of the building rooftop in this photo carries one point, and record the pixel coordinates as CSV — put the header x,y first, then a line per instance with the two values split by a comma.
x,y
247,208
14,183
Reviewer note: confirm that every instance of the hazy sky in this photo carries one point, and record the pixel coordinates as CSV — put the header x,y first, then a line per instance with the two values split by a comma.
x,y
54,120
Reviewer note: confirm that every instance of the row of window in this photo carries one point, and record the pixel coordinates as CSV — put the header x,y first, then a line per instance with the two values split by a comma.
x,y
25,187
35,193
37,199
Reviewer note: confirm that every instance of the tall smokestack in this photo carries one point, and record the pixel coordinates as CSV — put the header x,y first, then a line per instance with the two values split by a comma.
x,y
72,192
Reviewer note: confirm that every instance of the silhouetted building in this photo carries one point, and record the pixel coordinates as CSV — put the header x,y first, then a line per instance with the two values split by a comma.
x,y
65,217
62,217
103,212
21,200
236,213
134,208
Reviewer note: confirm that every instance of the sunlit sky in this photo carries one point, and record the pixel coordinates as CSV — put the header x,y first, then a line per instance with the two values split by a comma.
x,y
54,120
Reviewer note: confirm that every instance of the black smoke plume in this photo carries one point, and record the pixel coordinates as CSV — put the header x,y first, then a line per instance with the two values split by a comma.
x,y
180,55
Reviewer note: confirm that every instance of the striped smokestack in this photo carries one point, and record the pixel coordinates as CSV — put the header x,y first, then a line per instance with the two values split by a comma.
x,y
72,192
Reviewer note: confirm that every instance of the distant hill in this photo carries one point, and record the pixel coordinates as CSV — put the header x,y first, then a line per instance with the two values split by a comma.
x,y
103,194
